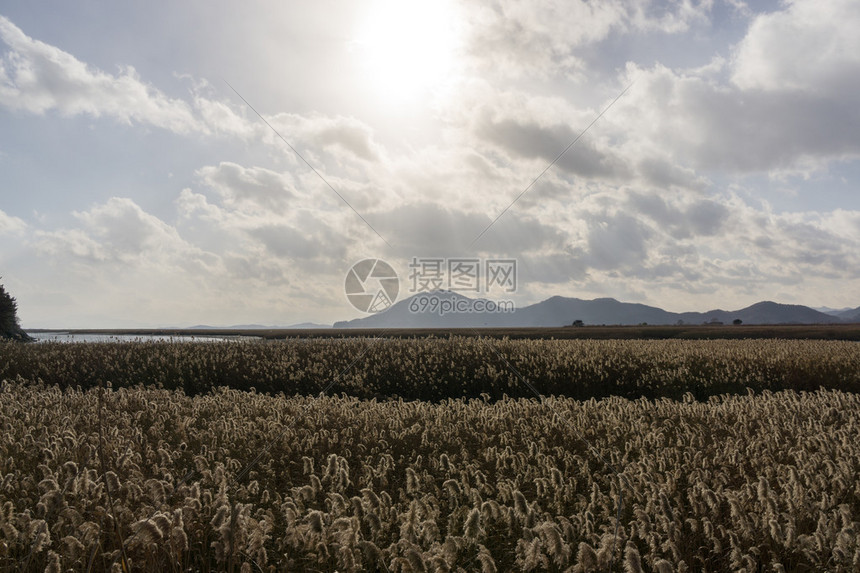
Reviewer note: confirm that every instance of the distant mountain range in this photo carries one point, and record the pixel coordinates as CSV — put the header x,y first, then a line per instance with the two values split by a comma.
x,y
847,315
562,311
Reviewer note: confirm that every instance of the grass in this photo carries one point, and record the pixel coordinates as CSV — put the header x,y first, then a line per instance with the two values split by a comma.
x,y
654,332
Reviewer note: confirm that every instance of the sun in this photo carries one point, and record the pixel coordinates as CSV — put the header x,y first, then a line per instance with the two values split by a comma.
x,y
408,47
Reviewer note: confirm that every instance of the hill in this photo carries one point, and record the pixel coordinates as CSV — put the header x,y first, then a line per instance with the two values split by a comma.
x,y
558,311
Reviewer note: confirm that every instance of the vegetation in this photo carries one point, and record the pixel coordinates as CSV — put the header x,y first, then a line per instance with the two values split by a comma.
x,y
602,332
9,325
236,480
408,455
438,369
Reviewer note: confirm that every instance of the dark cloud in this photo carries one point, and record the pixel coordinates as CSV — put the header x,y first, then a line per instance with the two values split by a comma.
x,y
432,230
617,241
664,174
532,141
706,217
701,217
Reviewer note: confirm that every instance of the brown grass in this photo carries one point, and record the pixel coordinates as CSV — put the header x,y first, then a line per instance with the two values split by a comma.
x,y
765,482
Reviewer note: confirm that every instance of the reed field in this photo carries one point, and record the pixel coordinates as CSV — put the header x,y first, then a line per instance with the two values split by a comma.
x,y
451,367
431,455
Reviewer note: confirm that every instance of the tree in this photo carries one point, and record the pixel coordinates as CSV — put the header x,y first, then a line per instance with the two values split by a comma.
x,y
578,322
9,325
737,321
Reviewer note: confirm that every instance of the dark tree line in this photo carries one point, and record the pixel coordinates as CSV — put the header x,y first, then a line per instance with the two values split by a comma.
x,y
9,325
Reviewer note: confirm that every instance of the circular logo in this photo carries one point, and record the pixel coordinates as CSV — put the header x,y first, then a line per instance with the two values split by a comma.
x,y
371,285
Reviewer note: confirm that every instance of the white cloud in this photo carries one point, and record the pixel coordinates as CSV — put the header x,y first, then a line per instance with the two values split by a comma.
x,y
253,188
669,17
787,108
118,235
315,241
521,38
74,243
221,118
11,225
810,46
257,213
640,207
346,133
37,77
711,127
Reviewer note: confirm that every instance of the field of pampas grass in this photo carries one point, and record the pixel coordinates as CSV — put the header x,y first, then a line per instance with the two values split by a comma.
x,y
149,479
440,368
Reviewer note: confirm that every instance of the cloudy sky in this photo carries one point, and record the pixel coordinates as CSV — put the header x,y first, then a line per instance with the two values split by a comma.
x,y
138,189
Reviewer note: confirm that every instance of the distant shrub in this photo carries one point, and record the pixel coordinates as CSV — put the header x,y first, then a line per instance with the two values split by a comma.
x,y
9,325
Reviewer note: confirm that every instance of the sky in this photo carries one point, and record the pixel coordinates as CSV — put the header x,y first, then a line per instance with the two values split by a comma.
x,y
138,189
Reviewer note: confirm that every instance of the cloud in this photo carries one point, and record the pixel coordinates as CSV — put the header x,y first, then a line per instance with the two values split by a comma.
x,y
709,127
10,225
520,135
617,241
37,77
784,102
669,17
128,229
249,187
118,231
261,226
74,244
119,262
543,39
345,133
658,247
221,118
701,217
314,241
673,246
809,46
642,206
430,229
531,140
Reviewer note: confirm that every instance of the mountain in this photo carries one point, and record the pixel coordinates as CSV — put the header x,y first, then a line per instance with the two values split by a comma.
x,y
850,315
766,312
833,311
308,325
399,315
561,311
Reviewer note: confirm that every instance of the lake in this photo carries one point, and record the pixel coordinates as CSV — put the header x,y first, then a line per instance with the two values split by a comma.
x,y
92,337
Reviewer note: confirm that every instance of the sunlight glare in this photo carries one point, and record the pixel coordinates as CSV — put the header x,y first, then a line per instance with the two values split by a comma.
x,y
408,47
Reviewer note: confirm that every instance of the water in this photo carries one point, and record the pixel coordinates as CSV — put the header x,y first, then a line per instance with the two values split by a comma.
x,y
77,337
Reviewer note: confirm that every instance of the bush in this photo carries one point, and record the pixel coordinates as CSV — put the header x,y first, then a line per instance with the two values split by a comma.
x,y
9,326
